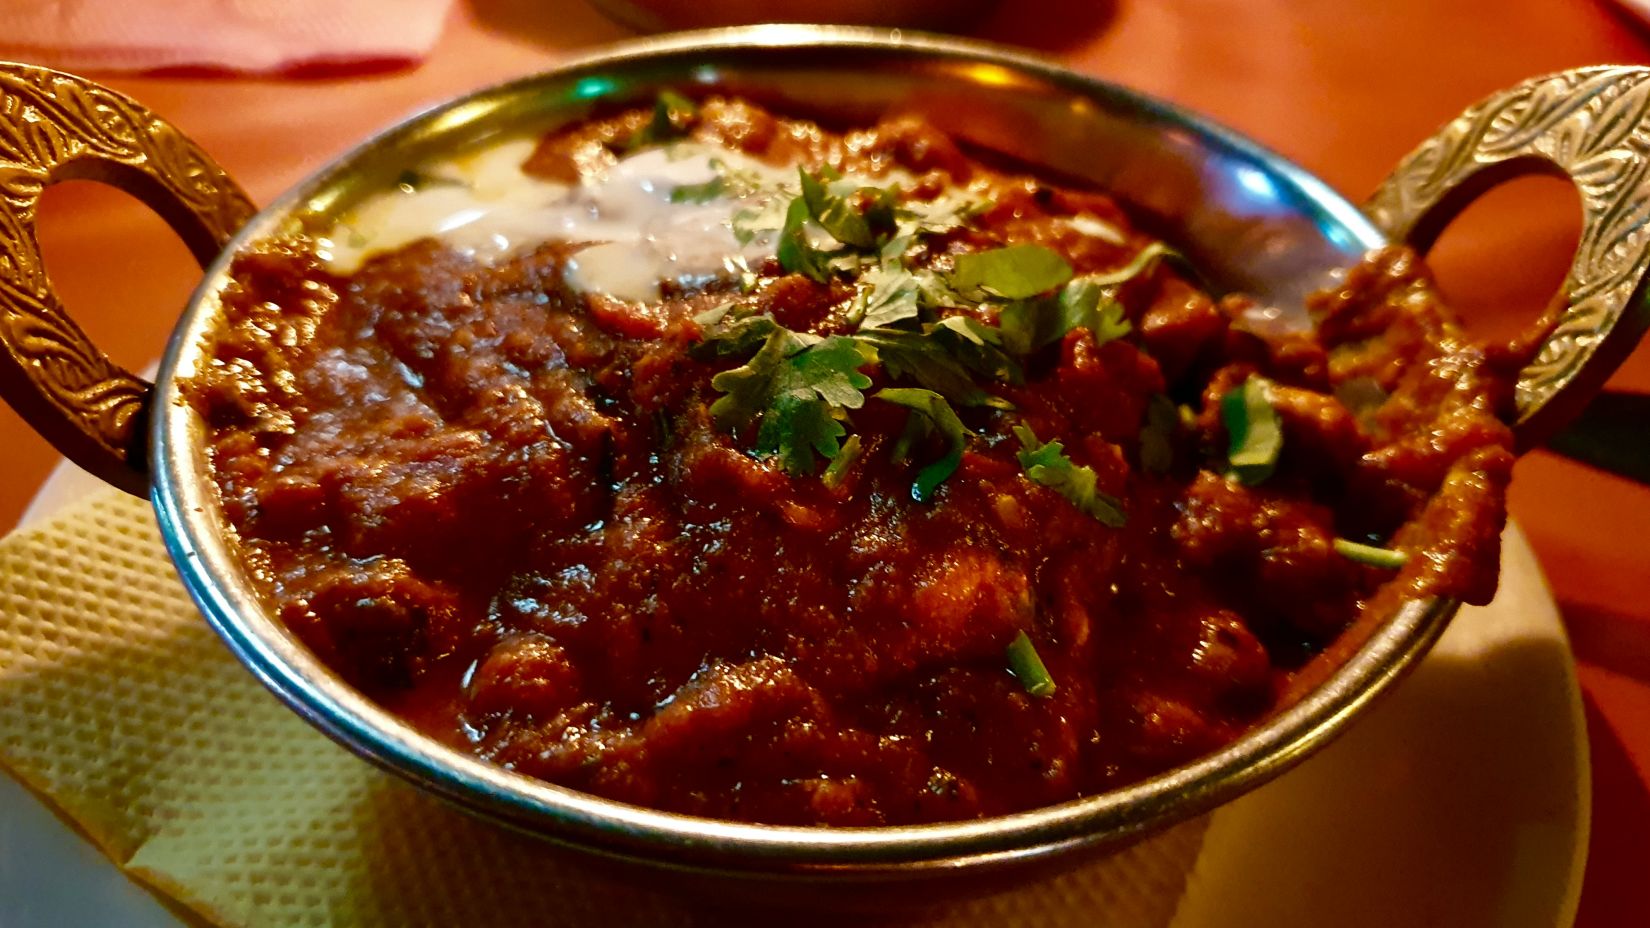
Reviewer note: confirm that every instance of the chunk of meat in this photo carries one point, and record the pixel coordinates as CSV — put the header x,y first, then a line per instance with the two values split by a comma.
x,y
374,622
525,675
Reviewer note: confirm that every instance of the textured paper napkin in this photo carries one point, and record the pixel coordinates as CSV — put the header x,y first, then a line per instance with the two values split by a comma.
x,y
120,706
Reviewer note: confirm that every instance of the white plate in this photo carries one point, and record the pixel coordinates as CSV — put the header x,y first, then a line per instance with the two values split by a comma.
x,y
1461,800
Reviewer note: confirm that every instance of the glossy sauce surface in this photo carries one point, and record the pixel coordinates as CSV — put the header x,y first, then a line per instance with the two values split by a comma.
x,y
490,491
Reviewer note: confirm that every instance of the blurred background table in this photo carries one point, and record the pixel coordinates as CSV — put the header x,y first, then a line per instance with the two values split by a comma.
x,y
1343,87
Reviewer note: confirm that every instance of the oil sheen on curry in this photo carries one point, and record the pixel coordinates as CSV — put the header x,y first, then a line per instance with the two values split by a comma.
x,y
713,461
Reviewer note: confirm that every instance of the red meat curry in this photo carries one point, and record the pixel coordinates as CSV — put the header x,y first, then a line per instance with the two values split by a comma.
x,y
937,512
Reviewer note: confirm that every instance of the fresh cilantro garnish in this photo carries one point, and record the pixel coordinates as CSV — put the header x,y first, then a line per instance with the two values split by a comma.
x,y
930,413
738,337
1092,305
939,215
1254,433
765,218
1027,666
928,359
796,426
831,370
1013,272
796,389
1048,465
980,349
713,316
796,253
889,293
1143,261
1029,325
1371,555
893,251
796,395
1157,436
673,116
700,193
844,459
835,214
820,203
749,388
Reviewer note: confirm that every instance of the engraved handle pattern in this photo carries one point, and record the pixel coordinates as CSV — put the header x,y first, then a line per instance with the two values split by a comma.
x,y
55,126
1591,125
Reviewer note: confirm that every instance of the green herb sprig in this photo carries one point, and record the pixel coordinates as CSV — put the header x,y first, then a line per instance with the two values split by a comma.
x,y
930,413
1254,431
1047,464
1013,272
1028,667
1385,558
939,361
673,115
1030,325
796,397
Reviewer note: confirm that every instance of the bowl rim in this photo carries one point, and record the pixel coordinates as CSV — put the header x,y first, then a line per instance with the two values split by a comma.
x,y
188,512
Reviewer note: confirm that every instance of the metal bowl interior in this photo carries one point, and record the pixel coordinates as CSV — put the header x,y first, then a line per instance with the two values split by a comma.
x,y
1251,219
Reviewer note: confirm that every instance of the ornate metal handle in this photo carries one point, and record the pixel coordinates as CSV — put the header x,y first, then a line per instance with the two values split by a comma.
x,y
1591,125
53,127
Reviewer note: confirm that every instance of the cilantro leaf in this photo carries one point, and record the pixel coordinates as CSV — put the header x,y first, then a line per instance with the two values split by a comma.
x,y
749,388
841,462
795,427
934,292
1026,326
939,215
1254,432
1013,271
673,114
831,369
1088,303
768,217
723,340
835,214
936,415
736,182
1048,465
893,250
1157,435
700,193
890,294
881,210
796,253
1030,325
713,316
1143,261
921,357
978,346
798,396
1027,667
1371,555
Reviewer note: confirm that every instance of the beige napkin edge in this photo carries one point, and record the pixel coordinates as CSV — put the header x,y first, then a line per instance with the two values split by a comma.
x,y
156,886
74,810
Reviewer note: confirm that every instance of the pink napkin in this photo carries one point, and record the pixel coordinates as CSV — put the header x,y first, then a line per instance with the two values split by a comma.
x,y
234,35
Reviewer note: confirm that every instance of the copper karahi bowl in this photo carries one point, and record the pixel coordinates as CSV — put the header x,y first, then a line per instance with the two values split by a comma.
x,y
1251,220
